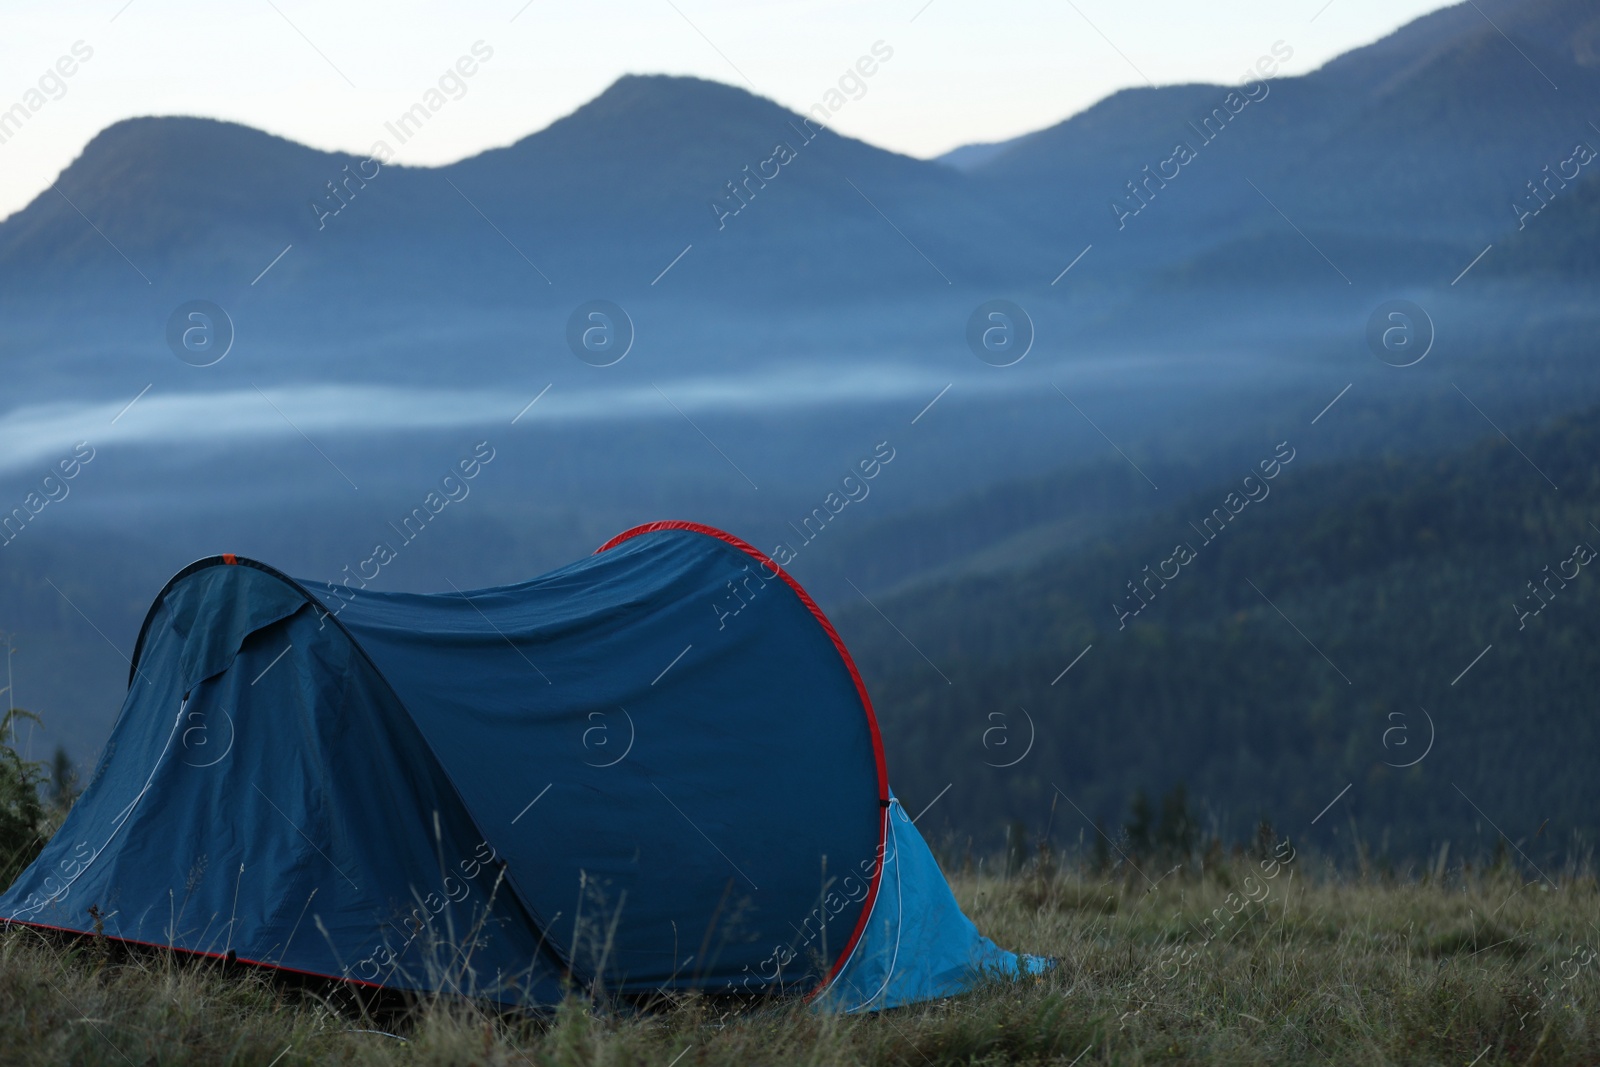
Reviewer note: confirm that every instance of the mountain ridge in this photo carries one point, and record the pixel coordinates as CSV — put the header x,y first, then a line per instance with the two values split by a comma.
x,y
778,208
153,190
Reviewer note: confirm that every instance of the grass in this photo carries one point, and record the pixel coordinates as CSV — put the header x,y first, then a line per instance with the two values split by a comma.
x,y
1476,968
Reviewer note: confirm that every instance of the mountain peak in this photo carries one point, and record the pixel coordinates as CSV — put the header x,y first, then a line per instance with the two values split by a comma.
x,y
651,105
656,87
161,134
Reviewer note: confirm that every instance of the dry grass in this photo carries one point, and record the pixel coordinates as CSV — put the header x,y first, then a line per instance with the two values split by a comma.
x,y
1483,969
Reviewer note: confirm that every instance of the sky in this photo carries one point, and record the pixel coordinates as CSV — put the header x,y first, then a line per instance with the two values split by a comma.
x,y
330,75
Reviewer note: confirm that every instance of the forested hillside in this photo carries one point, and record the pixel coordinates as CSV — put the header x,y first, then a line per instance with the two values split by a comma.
x,y
1313,634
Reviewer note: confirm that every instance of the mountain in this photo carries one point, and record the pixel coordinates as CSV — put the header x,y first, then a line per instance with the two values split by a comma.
x,y
1393,161
1559,239
164,190
603,198
1319,625
828,219
1426,136
969,157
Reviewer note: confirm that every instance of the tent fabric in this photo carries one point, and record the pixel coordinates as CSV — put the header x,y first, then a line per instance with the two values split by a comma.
x,y
654,769
919,945
286,810
214,626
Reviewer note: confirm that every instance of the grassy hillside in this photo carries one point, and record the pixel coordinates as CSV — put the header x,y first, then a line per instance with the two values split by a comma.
x,y
1316,642
1473,968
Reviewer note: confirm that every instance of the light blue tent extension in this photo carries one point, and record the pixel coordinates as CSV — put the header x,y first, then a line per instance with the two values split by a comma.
x,y
918,945
655,769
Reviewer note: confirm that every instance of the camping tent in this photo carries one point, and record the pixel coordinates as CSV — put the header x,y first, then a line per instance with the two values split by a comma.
x,y
654,769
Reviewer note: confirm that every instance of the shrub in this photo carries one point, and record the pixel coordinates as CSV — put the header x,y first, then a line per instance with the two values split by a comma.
x,y
21,813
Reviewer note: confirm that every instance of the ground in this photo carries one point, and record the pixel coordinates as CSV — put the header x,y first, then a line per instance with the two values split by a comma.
x,y
1254,962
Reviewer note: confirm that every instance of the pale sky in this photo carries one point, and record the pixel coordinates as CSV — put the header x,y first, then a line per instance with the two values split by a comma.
x,y
330,75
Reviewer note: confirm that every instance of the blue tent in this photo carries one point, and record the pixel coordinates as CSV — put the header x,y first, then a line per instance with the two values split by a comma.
x,y
654,769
